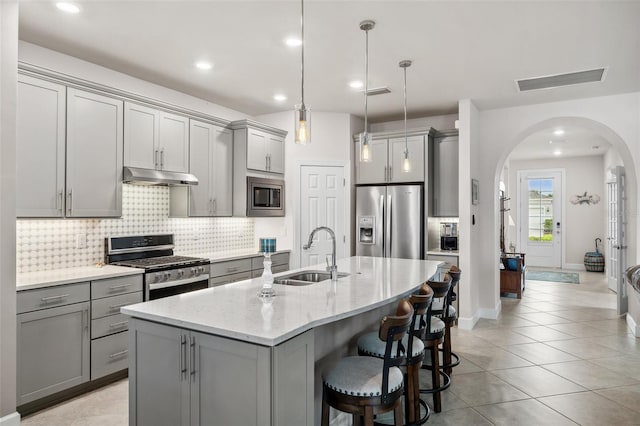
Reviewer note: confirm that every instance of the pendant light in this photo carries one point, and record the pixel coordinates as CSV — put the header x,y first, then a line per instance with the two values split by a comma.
x,y
302,113
366,153
406,164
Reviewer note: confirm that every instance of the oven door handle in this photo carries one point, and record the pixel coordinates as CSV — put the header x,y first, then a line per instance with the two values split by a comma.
x,y
201,277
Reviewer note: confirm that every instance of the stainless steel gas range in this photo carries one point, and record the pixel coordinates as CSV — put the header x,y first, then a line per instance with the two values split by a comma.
x,y
165,274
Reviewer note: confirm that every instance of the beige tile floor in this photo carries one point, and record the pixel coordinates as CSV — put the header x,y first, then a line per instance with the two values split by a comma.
x,y
558,356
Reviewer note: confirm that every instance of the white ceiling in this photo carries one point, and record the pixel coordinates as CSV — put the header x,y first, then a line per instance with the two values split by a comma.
x,y
575,142
473,49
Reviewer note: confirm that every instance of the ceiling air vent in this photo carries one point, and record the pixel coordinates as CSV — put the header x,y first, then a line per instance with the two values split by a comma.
x,y
378,91
559,80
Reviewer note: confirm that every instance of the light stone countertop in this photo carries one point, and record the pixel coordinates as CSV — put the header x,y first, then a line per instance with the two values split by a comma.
x,y
40,279
235,311
223,256
440,252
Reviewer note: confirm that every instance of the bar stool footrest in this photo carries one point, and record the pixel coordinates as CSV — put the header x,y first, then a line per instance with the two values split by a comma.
x,y
421,421
445,385
455,363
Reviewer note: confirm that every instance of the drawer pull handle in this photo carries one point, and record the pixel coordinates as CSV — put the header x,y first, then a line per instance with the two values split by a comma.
x,y
114,307
119,287
118,324
119,354
51,298
233,269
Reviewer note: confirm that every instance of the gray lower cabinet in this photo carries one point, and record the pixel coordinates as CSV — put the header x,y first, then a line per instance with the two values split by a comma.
x,y
230,271
182,377
53,350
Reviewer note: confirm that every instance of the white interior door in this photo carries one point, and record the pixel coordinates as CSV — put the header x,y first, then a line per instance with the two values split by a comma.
x,y
322,203
616,244
540,205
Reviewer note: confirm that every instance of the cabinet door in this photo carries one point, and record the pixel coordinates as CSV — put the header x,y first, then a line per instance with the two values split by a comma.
x,y
158,375
256,150
94,155
222,166
201,141
140,136
445,181
53,350
374,171
275,154
174,142
415,144
40,133
231,384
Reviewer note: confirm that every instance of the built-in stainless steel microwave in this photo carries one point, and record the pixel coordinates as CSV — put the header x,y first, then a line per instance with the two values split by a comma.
x,y
265,197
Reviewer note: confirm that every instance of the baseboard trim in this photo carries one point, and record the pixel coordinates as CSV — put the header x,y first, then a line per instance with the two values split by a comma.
x,y
491,313
633,326
574,266
467,323
12,419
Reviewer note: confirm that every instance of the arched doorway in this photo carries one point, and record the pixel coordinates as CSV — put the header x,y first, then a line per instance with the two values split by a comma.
x,y
617,144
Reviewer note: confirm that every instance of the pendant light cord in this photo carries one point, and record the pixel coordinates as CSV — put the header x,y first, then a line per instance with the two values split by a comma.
x,y
406,148
366,81
302,27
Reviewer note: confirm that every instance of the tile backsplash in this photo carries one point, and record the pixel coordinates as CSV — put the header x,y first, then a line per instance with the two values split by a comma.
x,y
52,243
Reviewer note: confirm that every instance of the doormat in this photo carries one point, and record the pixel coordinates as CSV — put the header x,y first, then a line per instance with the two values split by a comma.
x,y
555,276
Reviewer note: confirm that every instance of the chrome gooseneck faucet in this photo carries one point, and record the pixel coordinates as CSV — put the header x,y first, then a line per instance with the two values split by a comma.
x,y
333,268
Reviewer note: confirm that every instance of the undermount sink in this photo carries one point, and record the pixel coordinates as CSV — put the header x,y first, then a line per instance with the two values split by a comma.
x,y
306,277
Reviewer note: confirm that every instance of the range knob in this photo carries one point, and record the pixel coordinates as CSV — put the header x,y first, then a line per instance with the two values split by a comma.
x,y
167,275
194,271
180,273
201,269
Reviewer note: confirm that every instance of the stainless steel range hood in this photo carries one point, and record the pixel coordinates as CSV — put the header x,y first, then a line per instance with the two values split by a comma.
x,y
157,177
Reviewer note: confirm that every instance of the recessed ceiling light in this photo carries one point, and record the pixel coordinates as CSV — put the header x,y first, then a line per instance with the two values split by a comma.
x,y
293,42
68,7
550,141
595,147
357,84
279,97
203,65
557,152
558,132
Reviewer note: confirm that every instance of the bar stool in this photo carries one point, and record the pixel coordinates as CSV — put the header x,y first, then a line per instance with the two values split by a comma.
x,y
365,386
450,358
434,333
369,344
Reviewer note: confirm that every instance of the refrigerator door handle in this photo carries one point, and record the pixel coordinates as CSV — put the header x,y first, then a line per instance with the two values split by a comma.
x,y
384,254
389,226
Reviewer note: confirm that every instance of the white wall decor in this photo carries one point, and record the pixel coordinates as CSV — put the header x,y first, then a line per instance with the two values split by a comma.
x,y
585,198
65,243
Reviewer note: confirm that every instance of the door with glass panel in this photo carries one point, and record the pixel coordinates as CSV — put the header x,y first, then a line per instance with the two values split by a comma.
x,y
540,211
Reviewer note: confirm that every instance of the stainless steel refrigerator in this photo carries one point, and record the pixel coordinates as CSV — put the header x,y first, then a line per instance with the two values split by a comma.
x,y
390,221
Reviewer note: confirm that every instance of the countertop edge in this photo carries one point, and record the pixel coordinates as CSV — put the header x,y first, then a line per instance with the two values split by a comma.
x,y
72,277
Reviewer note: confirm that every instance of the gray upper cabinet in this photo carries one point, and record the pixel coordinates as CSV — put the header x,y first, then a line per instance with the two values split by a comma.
x,y
444,174
387,159
53,350
261,146
94,155
211,161
40,149
155,139
69,151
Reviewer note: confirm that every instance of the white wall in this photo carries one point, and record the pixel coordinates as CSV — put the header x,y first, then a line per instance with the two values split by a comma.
x,y
583,223
438,122
331,141
8,67
498,131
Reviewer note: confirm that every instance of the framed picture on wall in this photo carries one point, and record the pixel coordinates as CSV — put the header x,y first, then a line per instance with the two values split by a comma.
x,y
474,191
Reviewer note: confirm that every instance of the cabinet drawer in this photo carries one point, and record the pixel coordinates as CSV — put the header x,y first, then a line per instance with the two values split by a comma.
x,y
274,270
226,279
230,267
109,354
32,300
111,305
276,259
115,286
108,325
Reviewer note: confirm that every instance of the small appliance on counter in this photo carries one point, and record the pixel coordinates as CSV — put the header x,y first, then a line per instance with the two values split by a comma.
x,y
448,236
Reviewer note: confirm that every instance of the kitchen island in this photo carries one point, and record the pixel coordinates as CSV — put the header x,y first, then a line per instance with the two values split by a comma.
x,y
222,356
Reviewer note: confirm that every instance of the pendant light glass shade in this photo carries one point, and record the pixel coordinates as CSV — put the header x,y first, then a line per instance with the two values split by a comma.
x,y
366,152
302,113
303,124
406,164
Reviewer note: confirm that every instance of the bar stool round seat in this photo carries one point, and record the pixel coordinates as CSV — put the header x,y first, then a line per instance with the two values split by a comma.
x,y
362,376
370,344
366,386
